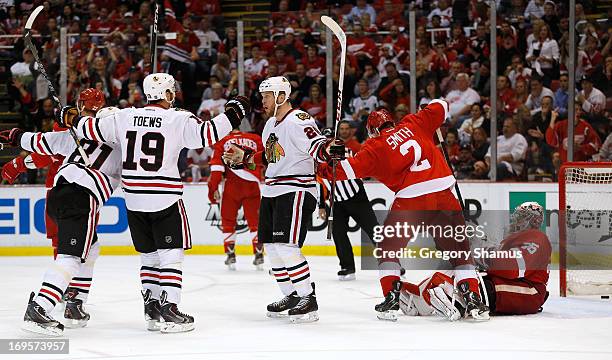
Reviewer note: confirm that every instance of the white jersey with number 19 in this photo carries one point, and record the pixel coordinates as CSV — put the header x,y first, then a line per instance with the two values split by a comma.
x,y
151,140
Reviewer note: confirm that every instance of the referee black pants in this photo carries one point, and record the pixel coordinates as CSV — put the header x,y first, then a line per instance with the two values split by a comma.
x,y
358,207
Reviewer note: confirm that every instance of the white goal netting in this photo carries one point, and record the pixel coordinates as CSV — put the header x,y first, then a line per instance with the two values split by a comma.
x,y
587,200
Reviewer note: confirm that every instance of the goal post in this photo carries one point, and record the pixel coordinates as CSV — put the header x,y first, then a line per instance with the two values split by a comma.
x,y
585,228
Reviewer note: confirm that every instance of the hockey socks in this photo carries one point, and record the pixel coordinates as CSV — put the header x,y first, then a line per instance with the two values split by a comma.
x,y
229,242
171,273
149,273
82,282
257,247
278,270
56,280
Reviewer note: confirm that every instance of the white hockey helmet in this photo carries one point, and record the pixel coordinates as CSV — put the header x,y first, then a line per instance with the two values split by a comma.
x,y
276,85
528,215
107,111
156,85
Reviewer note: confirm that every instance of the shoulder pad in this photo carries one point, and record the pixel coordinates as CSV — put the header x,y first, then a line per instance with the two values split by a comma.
x,y
181,109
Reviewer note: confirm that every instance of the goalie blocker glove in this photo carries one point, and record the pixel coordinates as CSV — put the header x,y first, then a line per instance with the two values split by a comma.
x,y
236,109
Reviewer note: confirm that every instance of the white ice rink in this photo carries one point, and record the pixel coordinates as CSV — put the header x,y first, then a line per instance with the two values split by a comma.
x,y
229,310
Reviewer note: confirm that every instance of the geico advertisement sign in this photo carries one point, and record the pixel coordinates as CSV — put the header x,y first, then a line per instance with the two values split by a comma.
x,y
22,212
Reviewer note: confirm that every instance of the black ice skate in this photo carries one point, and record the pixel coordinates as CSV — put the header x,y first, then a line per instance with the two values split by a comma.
x,y
74,315
172,320
387,310
280,308
151,311
37,321
306,309
259,260
346,275
230,261
473,303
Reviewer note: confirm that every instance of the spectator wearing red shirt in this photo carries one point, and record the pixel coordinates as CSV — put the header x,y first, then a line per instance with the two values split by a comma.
x,y
361,45
395,93
102,23
400,42
458,42
315,104
266,45
204,7
505,96
390,15
594,56
586,140
294,47
314,63
284,62
366,23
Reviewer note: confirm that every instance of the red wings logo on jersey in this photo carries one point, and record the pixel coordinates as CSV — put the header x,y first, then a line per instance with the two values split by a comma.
x,y
274,150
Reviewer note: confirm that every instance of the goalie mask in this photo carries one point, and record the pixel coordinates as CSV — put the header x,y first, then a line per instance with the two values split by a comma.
x,y
156,86
276,85
528,215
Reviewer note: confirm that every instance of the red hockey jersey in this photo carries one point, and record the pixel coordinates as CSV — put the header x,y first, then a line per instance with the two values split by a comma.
x,y
404,158
217,167
536,251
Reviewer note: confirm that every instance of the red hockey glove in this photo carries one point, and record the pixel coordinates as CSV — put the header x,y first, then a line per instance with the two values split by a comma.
x,y
11,136
12,169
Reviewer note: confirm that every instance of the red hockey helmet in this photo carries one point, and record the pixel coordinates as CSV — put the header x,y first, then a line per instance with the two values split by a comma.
x,y
90,100
376,120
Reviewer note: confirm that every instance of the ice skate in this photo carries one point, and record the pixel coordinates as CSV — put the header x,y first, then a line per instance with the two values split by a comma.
x,y
36,320
172,320
230,261
74,315
306,309
280,308
346,275
259,261
151,311
473,303
387,310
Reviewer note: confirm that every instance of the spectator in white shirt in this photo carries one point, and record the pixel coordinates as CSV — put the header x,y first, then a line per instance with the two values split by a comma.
x,y
605,153
197,162
461,100
444,11
361,8
255,68
511,151
543,54
362,105
592,99
534,9
538,91
475,120
215,105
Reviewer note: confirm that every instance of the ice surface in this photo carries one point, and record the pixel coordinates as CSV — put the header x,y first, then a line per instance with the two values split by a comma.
x,y
229,310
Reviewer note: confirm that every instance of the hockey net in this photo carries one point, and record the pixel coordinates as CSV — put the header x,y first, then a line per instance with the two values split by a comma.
x,y
585,229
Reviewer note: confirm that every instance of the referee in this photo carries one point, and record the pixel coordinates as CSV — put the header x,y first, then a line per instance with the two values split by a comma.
x,y
350,201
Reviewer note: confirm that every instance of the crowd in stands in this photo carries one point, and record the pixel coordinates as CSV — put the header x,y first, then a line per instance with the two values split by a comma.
x,y
452,61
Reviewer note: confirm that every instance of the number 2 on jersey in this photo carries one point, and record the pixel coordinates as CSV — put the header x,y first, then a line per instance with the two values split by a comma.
x,y
418,164
156,151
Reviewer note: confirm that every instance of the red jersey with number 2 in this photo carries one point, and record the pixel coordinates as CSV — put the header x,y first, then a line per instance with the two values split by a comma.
x,y
405,158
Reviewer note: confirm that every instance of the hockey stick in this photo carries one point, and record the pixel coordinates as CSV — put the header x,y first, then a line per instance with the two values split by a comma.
x,y
27,38
447,158
153,45
341,36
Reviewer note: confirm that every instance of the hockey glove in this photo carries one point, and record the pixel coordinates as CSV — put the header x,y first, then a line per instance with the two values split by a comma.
x,y
67,116
12,169
236,109
11,136
239,157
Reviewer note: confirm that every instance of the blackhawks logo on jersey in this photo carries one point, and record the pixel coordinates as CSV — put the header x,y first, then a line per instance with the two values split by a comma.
x,y
274,150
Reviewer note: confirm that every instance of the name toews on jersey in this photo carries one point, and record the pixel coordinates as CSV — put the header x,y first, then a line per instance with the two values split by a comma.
x,y
291,146
100,179
151,139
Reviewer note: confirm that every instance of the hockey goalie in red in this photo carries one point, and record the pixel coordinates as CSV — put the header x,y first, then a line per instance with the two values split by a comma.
x,y
512,286
241,188
404,157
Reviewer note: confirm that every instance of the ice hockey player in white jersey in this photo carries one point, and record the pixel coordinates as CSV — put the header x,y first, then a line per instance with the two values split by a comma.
x,y
151,139
78,194
292,143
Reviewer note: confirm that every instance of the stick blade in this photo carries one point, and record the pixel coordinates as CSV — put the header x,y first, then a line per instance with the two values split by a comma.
x,y
335,28
33,15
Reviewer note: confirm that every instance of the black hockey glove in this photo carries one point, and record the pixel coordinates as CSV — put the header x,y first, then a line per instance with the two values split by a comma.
x,y
11,136
236,109
337,150
68,116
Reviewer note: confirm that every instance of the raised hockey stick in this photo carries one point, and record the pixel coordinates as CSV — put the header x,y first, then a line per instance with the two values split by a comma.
x,y
341,36
27,39
447,158
153,45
